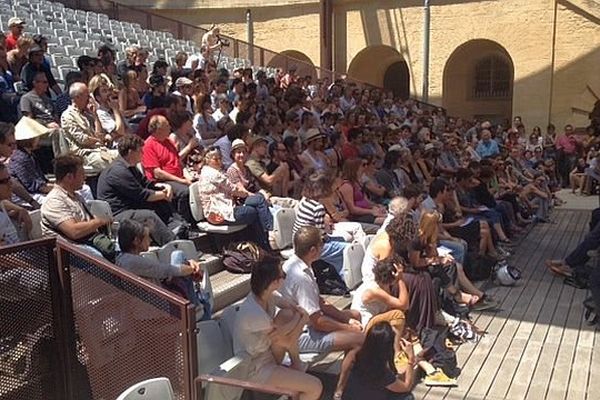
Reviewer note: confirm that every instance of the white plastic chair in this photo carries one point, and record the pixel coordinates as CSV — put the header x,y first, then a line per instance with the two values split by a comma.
x,y
100,209
36,224
198,214
282,227
353,257
151,389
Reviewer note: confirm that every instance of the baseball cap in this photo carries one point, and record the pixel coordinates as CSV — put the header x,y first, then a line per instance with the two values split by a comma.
x,y
15,21
183,81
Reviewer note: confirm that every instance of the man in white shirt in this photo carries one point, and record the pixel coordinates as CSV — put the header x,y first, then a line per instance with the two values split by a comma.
x,y
329,329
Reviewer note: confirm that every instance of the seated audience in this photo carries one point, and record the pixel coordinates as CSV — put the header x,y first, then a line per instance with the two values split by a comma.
x,y
267,327
385,298
8,231
23,164
220,199
130,102
161,163
34,65
328,329
38,105
313,157
360,208
132,196
156,97
105,95
204,124
134,238
277,181
83,131
311,212
64,212
374,375
18,57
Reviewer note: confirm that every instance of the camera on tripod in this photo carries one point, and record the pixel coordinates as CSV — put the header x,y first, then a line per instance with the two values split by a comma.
x,y
223,42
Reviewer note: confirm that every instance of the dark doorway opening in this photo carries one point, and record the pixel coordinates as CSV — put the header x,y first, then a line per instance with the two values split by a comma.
x,y
397,79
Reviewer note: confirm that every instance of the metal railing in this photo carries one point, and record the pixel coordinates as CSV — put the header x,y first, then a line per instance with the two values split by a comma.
x,y
76,327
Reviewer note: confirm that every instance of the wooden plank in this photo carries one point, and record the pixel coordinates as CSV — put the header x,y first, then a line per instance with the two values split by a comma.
x,y
515,355
542,377
594,381
491,368
472,357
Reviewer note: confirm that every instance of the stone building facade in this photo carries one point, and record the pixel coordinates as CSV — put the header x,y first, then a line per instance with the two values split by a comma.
x,y
495,59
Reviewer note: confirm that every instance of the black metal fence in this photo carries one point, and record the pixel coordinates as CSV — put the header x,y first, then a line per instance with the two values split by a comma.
x,y
75,327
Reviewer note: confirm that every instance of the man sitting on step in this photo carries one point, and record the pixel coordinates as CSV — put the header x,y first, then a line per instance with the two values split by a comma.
x,y
329,329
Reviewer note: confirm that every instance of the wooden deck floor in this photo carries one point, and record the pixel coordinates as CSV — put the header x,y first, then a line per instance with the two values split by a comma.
x,y
538,345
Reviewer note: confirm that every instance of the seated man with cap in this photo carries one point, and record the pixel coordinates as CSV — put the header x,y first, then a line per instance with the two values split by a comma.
x,y
277,182
313,158
16,26
156,97
82,130
185,90
25,168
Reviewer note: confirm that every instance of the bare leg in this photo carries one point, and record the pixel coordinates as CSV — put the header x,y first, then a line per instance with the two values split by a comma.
x,y
351,342
292,324
465,284
308,386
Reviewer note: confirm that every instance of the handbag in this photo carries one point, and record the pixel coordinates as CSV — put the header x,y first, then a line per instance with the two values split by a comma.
x,y
104,244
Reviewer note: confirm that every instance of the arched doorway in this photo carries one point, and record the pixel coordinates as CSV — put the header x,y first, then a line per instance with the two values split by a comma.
x,y
397,79
288,58
381,66
478,81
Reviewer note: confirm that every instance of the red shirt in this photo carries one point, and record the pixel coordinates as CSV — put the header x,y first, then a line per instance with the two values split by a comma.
x,y
349,151
11,42
163,155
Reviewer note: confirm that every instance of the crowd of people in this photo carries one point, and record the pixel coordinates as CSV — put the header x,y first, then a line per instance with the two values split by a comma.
x,y
443,196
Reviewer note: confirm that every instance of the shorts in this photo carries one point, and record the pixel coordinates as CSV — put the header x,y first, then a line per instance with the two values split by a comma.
x,y
312,341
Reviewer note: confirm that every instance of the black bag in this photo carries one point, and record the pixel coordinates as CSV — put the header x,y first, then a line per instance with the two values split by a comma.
x,y
328,279
240,257
477,267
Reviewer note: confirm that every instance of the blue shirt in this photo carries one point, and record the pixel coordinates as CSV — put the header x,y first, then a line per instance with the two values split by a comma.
x,y
489,149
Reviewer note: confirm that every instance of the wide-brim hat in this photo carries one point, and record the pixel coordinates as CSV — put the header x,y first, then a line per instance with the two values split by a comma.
x,y
312,134
29,128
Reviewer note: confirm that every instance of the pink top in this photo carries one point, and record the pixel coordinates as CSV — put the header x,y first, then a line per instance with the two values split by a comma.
x,y
567,143
360,200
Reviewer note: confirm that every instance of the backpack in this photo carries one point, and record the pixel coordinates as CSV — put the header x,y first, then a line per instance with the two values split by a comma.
x,y
328,279
240,257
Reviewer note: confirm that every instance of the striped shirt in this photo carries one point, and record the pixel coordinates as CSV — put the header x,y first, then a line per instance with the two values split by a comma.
x,y
309,213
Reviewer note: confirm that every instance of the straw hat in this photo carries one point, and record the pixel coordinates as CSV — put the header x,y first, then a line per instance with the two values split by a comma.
x,y
29,128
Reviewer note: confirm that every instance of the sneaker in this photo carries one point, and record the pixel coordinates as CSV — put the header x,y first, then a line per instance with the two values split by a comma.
x,y
439,378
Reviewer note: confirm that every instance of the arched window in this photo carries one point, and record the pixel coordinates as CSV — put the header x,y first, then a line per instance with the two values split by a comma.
x,y
492,78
